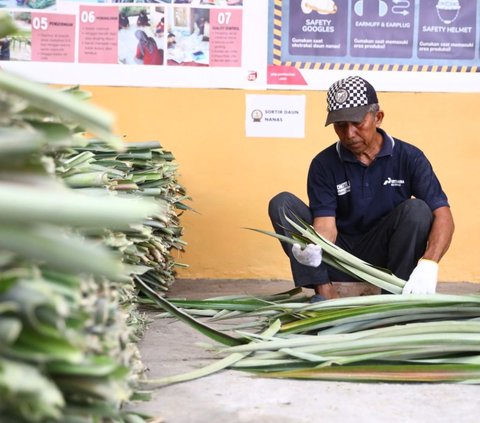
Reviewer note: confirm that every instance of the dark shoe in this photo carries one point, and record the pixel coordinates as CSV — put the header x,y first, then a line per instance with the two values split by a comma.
x,y
317,298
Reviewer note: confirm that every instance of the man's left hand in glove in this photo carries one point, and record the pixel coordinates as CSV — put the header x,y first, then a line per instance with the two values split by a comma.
x,y
311,255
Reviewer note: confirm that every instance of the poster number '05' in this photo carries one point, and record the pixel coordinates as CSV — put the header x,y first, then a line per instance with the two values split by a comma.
x,y
40,23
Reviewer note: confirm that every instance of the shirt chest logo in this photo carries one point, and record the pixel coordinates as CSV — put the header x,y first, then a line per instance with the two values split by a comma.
x,y
394,182
343,188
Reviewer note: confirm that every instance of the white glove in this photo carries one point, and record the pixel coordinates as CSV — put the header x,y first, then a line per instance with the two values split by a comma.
x,y
423,279
310,256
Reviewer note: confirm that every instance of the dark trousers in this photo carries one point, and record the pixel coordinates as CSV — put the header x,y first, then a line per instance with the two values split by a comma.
x,y
397,241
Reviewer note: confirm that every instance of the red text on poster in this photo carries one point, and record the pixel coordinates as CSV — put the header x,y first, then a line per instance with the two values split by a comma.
x,y
226,37
53,37
98,34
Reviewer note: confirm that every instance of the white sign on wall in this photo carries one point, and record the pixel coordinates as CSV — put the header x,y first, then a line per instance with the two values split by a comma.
x,y
275,116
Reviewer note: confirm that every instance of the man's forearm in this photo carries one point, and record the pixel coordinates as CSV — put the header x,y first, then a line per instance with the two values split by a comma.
x,y
440,234
326,227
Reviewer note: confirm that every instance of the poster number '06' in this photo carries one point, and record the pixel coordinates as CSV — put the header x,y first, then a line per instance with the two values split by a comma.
x,y
87,16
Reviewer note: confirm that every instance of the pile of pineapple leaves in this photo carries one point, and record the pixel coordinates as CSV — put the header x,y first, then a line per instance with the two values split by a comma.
x,y
387,338
75,254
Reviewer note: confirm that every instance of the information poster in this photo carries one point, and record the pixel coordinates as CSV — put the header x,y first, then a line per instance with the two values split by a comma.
x,y
399,45
173,43
402,44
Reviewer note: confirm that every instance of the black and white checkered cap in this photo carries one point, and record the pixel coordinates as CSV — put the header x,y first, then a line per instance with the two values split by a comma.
x,y
348,100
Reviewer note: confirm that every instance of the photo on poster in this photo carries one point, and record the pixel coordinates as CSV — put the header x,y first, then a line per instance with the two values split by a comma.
x,y
29,4
141,35
141,1
88,1
188,37
211,2
18,47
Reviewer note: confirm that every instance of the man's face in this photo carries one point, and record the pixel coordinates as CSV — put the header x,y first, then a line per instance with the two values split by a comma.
x,y
359,137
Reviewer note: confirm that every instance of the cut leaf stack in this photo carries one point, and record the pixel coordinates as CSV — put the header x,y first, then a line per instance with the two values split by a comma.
x,y
143,169
66,351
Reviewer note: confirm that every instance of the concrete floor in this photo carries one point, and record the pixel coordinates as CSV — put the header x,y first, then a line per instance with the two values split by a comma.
x,y
169,348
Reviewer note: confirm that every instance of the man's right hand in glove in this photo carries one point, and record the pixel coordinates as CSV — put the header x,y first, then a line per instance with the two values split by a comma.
x,y
423,279
311,255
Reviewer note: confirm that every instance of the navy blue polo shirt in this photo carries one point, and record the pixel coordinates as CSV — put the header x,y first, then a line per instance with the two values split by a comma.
x,y
358,195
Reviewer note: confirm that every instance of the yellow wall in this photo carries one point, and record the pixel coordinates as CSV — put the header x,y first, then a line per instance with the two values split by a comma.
x,y
231,178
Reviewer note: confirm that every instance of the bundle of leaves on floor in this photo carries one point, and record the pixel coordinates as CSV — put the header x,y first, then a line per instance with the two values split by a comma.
x,y
419,338
143,169
66,353
402,338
